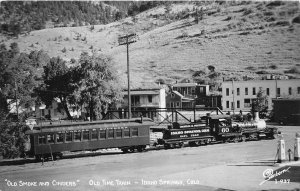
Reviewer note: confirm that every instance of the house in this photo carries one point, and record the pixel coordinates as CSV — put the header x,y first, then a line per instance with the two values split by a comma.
x,y
177,100
185,95
55,111
148,102
238,95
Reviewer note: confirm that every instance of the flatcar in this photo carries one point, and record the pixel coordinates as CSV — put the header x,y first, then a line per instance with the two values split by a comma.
x,y
52,140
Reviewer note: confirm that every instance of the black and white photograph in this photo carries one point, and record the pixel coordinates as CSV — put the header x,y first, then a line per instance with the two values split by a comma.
x,y
150,95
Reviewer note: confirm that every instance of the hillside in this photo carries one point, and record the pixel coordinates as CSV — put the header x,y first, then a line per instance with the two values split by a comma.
x,y
238,38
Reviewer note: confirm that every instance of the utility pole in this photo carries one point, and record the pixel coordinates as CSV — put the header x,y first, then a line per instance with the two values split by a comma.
x,y
126,40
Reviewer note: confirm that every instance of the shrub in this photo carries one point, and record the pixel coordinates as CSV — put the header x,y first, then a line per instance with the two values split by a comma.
x,y
294,70
273,66
296,19
64,50
12,139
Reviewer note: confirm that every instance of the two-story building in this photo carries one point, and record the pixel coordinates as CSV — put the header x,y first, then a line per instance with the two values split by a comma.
x,y
148,102
238,95
186,95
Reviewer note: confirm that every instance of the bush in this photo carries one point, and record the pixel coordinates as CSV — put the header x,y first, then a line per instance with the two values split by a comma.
x,y
294,70
273,66
12,139
64,50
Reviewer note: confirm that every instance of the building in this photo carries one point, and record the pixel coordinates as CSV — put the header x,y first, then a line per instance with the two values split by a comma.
x,y
177,100
238,95
184,95
55,111
146,102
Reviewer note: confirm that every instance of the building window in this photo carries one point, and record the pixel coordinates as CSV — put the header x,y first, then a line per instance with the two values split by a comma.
x,y
237,91
290,91
254,91
177,104
232,105
278,92
227,91
298,90
268,91
246,91
172,95
247,103
150,98
227,104
193,90
43,112
238,104
171,104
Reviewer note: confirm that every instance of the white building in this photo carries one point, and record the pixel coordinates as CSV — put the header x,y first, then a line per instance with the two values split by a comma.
x,y
146,99
238,95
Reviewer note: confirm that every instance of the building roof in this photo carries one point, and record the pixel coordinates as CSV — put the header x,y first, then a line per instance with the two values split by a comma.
x,y
177,93
142,92
185,85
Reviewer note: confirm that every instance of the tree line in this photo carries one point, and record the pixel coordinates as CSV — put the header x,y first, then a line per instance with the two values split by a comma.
x,y
36,78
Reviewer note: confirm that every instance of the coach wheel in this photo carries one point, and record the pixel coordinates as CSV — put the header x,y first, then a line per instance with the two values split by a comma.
x,y
192,144
181,145
167,146
235,140
124,150
140,148
38,158
244,138
132,150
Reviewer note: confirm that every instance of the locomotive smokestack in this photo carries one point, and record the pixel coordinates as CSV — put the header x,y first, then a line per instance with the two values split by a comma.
x,y
256,116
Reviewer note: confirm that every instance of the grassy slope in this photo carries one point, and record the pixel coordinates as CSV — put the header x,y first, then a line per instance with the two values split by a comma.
x,y
238,40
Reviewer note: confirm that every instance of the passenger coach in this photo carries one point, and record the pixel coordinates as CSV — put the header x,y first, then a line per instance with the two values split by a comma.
x,y
125,134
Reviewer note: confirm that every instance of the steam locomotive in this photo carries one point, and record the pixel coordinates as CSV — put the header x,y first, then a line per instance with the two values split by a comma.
x,y
219,128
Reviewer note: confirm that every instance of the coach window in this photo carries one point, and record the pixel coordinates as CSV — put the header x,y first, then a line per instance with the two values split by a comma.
x,y
118,133
60,137
42,139
102,134
77,135
110,133
86,135
134,132
94,134
50,138
126,133
68,136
